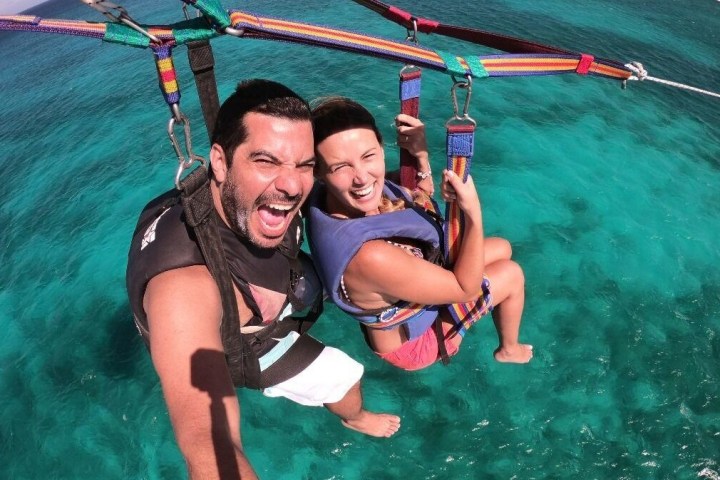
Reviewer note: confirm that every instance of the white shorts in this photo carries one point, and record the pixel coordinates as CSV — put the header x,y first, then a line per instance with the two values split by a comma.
x,y
326,380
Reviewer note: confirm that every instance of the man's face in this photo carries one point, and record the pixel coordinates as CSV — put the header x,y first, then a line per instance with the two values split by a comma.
x,y
270,177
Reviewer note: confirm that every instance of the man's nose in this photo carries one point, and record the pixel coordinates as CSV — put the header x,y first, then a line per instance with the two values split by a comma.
x,y
289,182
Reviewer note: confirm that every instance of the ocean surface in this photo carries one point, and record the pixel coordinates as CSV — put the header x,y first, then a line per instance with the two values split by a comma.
x,y
610,198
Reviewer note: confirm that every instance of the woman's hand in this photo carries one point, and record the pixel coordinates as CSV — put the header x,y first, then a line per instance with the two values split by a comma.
x,y
465,194
411,137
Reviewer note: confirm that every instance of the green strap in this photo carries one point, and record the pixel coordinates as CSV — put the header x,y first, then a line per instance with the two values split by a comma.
x,y
215,11
184,32
122,34
454,67
193,30
452,64
476,67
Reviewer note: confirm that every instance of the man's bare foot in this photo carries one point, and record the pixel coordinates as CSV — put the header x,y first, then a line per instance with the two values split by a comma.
x,y
374,424
519,353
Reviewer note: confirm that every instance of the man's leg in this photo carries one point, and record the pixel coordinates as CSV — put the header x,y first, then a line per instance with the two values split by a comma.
x,y
332,379
350,410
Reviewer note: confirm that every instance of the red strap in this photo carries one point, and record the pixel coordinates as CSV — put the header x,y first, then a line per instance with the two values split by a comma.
x,y
408,163
398,15
426,26
584,64
404,18
461,128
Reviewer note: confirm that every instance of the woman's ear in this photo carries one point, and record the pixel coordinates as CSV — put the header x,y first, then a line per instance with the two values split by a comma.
x,y
218,163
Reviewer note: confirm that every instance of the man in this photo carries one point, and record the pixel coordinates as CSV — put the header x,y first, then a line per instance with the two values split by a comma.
x,y
262,162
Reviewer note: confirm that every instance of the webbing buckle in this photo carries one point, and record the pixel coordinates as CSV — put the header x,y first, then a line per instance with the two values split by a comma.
x,y
183,162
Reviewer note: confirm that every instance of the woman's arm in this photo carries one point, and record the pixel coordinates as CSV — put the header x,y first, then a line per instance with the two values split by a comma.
x,y
382,273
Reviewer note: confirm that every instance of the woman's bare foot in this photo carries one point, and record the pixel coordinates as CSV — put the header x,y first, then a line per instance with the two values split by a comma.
x,y
519,353
374,424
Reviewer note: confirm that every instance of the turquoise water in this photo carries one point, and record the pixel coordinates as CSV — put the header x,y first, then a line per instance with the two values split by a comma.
x,y
609,196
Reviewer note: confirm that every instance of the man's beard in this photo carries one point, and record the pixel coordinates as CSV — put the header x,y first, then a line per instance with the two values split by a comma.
x,y
231,198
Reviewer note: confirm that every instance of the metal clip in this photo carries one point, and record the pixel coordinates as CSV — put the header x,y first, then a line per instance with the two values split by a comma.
x,y
183,162
412,34
464,118
235,32
411,37
107,9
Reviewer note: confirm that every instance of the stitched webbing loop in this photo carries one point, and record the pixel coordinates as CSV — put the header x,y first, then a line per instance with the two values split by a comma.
x,y
410,84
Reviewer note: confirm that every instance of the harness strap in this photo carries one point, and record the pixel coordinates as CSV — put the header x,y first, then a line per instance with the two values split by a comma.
x,y
460,150
167,76
269,28
202,64
493,40
292,363
460,140
440,335
410,83
200,214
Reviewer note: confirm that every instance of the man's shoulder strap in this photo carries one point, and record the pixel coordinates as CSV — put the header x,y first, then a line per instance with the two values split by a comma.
x,y
200,215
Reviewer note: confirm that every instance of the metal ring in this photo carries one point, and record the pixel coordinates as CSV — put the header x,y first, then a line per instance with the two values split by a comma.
x,y
412,36
235,32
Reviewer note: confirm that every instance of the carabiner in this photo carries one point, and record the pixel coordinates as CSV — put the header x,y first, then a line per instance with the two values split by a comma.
x,y
466,84
183,162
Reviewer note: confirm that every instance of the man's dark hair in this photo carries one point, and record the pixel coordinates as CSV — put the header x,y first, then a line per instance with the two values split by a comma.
x,y
259,96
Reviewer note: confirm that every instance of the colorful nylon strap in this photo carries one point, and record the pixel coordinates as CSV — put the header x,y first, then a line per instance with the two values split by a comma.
x,y
166,74
410,83
497,41
460,139
269,28
460,146
176,34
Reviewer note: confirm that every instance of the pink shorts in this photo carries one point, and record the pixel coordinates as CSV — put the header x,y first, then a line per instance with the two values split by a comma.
x,y
420,352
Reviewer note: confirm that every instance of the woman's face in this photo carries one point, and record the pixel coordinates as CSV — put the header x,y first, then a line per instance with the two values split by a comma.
x,y
352,165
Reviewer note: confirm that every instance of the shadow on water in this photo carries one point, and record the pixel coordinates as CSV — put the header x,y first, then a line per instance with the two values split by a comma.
x,y
125,351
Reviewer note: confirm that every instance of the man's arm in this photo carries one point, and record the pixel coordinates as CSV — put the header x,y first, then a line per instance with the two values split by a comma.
x,y
184,312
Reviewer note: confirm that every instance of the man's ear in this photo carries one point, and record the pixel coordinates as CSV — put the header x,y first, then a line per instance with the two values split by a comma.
x,y
218,163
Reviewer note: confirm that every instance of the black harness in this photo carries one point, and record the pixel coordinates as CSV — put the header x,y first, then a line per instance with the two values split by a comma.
x,y
242,350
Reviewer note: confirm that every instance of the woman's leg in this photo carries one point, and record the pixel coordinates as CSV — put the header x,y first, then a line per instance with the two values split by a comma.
x,y
507,285
497,249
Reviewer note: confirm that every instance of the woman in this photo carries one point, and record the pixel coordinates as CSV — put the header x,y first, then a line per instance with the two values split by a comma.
x,y
378,248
